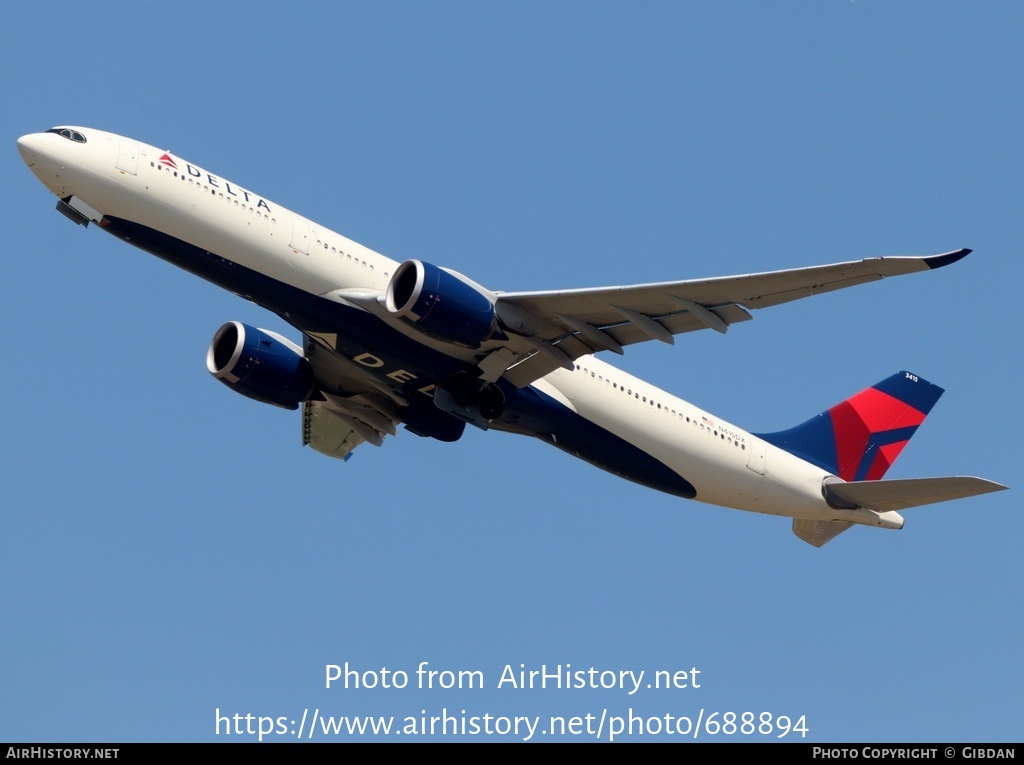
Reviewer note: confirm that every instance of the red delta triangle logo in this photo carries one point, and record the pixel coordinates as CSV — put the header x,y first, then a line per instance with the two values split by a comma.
x,y
166,159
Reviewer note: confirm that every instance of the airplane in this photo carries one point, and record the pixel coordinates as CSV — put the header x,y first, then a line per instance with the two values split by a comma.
x,y
414,344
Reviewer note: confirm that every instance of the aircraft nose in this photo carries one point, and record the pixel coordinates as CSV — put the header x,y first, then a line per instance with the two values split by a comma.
x,y
28,148
44,158
25,149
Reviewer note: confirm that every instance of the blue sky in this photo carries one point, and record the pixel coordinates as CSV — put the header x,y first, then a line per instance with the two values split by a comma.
x,y
169,550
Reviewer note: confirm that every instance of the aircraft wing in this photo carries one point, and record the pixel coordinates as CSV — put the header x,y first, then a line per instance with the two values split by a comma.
x,y
551,329
349,408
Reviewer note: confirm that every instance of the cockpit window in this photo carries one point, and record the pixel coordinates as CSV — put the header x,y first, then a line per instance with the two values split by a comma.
x,y
71,135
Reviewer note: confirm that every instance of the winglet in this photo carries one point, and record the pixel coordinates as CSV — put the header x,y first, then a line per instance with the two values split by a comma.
x,y
938,261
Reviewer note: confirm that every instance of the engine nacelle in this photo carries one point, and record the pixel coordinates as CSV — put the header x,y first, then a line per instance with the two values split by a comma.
x,y
260,364
441,304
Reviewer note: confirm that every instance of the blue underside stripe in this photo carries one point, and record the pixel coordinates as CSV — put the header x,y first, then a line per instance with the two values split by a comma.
x,y
530,412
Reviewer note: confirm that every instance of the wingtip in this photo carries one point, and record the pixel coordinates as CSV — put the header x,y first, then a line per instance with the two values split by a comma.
x,y
938,261
994,485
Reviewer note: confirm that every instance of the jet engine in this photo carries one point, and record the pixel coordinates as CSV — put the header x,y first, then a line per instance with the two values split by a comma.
x,y
442,304
260,364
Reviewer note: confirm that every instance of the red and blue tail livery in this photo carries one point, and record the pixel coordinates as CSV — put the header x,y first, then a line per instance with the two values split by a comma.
x,y
858,439
415,345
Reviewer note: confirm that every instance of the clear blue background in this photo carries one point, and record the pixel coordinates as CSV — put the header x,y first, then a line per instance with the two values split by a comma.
x,y
168,548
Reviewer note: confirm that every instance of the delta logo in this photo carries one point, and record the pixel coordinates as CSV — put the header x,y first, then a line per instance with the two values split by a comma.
x,y
224,187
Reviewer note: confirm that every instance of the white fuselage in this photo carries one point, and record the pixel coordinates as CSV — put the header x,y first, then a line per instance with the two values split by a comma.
x,y
123,178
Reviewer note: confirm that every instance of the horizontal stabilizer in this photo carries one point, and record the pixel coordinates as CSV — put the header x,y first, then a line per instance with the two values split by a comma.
x,y
883,496
818,533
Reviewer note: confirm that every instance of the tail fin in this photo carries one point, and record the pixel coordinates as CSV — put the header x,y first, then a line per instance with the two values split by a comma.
x,y
861,437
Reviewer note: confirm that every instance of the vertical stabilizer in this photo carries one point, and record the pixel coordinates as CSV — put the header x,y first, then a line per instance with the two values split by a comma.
x,y
859,438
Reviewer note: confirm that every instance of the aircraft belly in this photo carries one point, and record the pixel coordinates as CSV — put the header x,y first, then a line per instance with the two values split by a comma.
x,y
712,454
530,411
